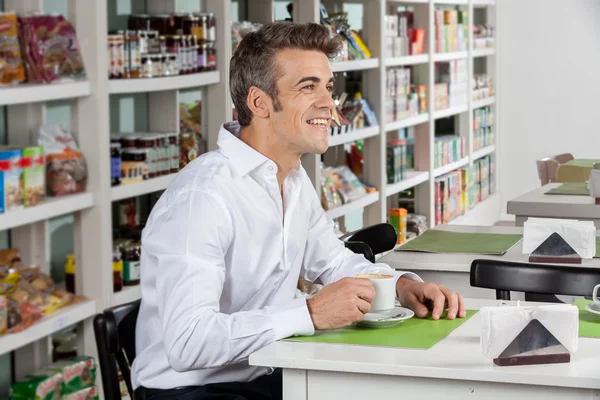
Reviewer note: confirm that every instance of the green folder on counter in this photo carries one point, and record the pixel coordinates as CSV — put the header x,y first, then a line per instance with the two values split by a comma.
x,y
571,189
438,241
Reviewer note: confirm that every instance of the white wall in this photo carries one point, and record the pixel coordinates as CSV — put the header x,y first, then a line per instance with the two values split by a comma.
x,y
549,89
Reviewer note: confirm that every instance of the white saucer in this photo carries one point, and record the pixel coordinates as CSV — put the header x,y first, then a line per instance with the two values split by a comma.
x,y
385,319
594,308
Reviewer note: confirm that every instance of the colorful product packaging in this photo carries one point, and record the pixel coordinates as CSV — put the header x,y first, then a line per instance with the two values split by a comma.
x,y
11,184
89,393
44,384
397,218
34,176
78,373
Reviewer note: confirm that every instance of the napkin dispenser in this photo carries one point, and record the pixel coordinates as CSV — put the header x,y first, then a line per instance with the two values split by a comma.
x,y
514,335
559,241
594,183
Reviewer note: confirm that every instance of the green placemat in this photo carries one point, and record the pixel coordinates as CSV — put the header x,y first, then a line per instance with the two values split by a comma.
x,y
571,189
437,241
583,162
589,324
414,333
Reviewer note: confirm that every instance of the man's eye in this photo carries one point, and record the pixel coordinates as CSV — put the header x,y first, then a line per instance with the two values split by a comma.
x,y
309,87
330,89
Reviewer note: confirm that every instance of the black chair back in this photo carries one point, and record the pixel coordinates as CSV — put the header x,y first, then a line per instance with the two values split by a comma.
x,y
533,279
115,339
379,238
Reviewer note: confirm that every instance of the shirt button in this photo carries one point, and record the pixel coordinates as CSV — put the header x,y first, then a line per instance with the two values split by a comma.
x,y
270,168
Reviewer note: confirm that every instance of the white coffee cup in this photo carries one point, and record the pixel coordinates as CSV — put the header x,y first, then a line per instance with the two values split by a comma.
x,y
595,294
385,291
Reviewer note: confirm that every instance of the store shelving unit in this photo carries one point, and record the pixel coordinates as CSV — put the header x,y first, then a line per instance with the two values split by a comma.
x,y
90,111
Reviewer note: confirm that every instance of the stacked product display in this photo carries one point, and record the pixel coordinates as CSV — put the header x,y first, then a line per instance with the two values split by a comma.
x,y
38,49
127,247
453,87
192,143
54,167
451,30
399,159
70,379
163,45
449,149
403,99
459,191
341,186
482,87
484,37
349,115
27,294
353,47
483,128
401,39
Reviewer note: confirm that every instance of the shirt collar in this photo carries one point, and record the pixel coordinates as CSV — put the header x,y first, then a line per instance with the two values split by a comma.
x,y
243,157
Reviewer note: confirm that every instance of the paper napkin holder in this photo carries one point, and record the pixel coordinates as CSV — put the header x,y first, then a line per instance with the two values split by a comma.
x,y
529,335
555,249
594,183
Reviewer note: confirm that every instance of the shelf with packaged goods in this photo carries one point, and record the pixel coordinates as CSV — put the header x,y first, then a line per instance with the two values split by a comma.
x,y
448,112
355,65
352,136
141,85
35,93
127,295
441,57
483,3
483,152
353,206
139,189
50,208
48,325
409,1
413,178
407,122
451,2
484,52
451,167
484,103
482,213
407,60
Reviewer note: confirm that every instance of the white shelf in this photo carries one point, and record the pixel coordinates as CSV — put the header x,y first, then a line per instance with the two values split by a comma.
x,y
48,325
448,112
484,52
483,213
127,295
484,103
483,152
451,167
355,205
452,2
408,1
34,93
138,189
483,3
123,86
50,208
405,123
441,57
413,178
357,65
406,60
353,136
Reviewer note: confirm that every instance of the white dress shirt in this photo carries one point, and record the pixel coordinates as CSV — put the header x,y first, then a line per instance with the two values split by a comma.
x,y
221,257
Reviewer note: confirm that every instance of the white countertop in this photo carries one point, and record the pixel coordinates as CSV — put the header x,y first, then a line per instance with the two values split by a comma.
x,y
456,262
458,357
538,204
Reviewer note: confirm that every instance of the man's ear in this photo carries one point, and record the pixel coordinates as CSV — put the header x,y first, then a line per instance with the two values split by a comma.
x,y
259,102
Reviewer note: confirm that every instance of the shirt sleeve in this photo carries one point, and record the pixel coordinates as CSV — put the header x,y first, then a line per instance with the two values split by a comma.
x,y
328,260
188,243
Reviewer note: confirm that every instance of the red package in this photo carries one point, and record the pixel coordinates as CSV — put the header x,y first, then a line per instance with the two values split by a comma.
x,y
50,49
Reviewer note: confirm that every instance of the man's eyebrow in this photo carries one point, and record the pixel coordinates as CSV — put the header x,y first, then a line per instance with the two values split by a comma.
x,y
312,79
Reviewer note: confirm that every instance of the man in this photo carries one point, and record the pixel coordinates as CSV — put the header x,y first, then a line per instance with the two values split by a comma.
x,y
226,243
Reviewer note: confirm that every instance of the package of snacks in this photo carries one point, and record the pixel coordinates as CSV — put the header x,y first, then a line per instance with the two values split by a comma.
x,y
51,48
12,69
10,257
78,372
41,385
11,184
3,314
89,393
66,170
34,176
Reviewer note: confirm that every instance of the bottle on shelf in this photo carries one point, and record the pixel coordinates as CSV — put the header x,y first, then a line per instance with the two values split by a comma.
x,y
70,273
117,268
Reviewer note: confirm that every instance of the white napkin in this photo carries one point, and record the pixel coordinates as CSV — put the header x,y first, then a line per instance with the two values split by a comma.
x,y
501,325
581,235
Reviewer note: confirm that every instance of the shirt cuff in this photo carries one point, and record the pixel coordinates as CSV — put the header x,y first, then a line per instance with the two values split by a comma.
x,y
291,319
